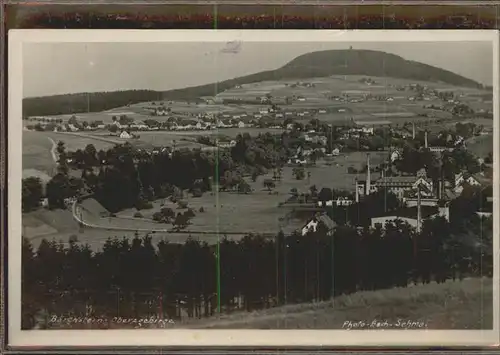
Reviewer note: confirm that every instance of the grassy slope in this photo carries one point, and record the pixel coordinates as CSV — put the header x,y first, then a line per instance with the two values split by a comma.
x,y
466,304
316,64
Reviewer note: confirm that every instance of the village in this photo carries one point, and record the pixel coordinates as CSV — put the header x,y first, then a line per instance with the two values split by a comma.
x,y
304,185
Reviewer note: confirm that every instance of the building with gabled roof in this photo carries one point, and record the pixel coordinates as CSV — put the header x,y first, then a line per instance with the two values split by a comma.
x,y
319,220
398,185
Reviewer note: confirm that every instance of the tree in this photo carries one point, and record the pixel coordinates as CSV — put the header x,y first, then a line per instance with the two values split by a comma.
x,y
244,187
269,184
314,190
255,175
299,173
325,194
73,121
32,193
58,189
180,221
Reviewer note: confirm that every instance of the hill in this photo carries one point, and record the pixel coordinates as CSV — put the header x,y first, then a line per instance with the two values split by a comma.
x,y
466,304
315,64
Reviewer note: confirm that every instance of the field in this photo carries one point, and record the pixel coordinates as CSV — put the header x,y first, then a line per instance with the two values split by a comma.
x,y
224,212
481,145
258,212
466,304
37,148
59,225
36,152
315,97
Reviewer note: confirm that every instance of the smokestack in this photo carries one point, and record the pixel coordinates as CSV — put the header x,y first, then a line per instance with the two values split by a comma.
x,y
426,144
368,175
413,130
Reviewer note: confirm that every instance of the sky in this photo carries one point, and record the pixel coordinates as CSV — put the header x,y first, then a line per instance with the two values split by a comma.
x,y
62,68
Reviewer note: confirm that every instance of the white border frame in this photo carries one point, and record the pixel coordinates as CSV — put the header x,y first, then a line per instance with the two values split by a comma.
x,y
257,338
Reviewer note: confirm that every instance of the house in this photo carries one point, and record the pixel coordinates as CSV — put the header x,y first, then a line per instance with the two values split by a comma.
x,y
340,201
464,179
367,130
224,144
125,135
381,221
139,125
395,155
319,220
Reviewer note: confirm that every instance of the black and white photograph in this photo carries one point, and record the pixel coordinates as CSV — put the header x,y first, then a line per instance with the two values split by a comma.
x,y
225,181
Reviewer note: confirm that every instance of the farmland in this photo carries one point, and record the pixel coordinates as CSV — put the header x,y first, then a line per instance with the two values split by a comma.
x,y
224,212
257,212
36,152
37,148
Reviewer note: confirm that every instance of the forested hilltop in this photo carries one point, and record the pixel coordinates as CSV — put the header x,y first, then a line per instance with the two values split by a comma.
x,y
316,64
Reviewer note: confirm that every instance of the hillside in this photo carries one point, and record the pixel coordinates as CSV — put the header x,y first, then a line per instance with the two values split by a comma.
x,y
315,64
466,304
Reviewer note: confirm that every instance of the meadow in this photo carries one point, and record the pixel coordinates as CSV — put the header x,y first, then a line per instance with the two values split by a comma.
x,y
259,211
466,304
59,225
37,148
36,153
481,146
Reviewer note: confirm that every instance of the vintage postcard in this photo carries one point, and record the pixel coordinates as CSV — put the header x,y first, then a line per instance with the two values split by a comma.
x,y
259,188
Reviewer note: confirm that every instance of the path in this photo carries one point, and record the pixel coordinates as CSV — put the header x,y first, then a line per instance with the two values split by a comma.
x,y
76,212
53,151
88,136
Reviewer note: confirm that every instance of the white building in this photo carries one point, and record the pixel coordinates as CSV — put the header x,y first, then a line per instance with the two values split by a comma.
x,y
383,220
316,221
125,135
463,179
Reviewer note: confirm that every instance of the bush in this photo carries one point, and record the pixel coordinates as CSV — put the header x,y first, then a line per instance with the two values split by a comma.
x,y
197,193
158,217
182,204
143,205
189,213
